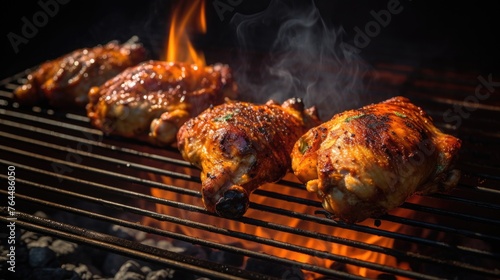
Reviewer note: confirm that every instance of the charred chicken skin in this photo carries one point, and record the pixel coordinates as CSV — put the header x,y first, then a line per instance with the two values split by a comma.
x,y
363,163
150,101
239,146
65,81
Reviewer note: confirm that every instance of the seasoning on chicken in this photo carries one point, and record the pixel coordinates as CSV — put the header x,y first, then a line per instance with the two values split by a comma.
x,y
239,146
363,163
150,101
65,81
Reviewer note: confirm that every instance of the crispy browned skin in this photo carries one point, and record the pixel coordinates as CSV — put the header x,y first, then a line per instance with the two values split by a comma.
x,y
65,81
239,146
365,162
150,101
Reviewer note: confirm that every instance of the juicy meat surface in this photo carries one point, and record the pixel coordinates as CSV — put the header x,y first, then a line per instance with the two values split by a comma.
x,y
150,101
66,81
363,163
239,146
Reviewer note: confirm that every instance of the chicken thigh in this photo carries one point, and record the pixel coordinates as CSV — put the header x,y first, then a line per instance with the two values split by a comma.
x,y
363,163
240,146
150,101
65,81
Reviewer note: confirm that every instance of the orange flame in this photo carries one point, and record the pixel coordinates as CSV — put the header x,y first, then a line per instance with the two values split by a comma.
x,y
338,249
188,17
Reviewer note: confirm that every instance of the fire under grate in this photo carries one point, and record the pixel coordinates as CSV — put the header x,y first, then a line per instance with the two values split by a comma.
x,y
63,165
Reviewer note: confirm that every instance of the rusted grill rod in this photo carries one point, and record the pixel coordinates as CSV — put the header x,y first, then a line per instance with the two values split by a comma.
x,y
129,248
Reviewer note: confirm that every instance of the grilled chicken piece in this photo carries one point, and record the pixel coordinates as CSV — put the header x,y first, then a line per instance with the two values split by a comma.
x,y
150,101
363,163
65,81
239,146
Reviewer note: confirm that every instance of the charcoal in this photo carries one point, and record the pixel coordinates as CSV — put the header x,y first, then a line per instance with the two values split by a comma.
x,y
292,273
191,249
274,269
140,235
83,222
124,232
81,270
112,263
149,242
23,271
43,241
22,254
45,257
40,214
146,269
166,245
61,247
3,254
162,274
42,257
55,273
130,270
227,258
29,236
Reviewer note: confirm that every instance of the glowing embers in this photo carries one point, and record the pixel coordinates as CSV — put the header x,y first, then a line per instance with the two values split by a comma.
x,y
282,223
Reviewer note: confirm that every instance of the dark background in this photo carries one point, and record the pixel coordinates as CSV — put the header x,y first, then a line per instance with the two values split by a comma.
x,y
451,35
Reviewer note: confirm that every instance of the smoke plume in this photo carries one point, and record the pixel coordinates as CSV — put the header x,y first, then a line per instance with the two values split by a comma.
x,y
303,58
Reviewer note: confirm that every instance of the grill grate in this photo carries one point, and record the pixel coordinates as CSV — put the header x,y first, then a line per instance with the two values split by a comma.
x,y
65,165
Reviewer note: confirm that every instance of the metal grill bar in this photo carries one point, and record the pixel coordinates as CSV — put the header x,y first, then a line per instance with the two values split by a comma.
x,y
186,238
189,177
195,193
262,240
278,227
464,217
129,248
259,239
54,129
